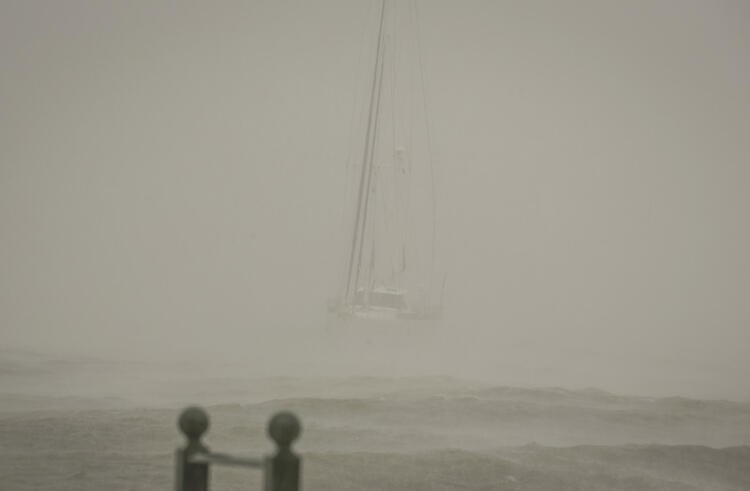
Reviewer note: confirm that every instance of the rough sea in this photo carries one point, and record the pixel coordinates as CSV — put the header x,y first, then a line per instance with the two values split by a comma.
x,y
88,424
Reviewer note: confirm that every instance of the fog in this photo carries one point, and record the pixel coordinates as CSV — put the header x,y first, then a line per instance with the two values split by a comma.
x,y
172,178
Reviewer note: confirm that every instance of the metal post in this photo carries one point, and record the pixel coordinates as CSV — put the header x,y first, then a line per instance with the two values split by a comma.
x,y
283,469
192,476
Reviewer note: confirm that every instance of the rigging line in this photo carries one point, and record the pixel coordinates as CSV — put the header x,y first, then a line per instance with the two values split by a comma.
x,y
410,112
392,148
402,171
400,195
399,120
390,210
373,189
375,125
357,106
368,143
357,111
420,63
394,69
373,229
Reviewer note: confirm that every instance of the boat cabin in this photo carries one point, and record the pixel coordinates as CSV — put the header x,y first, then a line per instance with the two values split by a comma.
x,y
384,298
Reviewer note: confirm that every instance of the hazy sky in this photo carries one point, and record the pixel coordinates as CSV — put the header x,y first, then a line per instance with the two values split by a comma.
x,y
169,169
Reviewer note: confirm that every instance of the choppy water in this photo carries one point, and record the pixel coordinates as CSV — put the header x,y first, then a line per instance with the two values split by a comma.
x,y
88,424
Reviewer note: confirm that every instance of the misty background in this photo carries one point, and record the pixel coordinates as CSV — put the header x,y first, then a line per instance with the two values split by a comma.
x,y
172,178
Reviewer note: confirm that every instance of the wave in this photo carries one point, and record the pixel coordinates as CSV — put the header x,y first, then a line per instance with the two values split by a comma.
x,y
380,433
539,468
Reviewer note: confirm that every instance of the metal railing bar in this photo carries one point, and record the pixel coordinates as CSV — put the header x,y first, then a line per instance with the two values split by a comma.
x,y
225,459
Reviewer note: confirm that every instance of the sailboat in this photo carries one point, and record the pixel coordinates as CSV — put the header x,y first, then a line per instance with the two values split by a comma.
x,y
389,260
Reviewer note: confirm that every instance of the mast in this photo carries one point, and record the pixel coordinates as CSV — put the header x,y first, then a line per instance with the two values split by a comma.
x,y
363,197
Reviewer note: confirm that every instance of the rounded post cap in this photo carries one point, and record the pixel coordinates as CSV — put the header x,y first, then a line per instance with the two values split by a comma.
x,y
284,428
193,422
